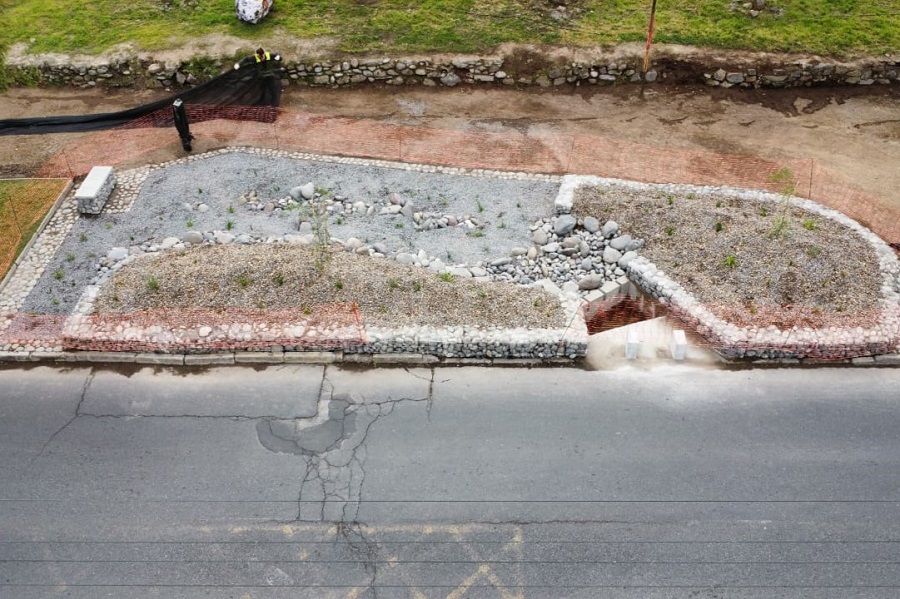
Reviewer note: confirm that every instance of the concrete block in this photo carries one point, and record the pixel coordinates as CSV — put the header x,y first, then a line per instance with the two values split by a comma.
x,y
888,360
96,188
416,359
609,288
679,345
355,358
54,356
527,362
312,357
209,359
160,359
258,357
632,345
106,357
454,361
15,356
863,361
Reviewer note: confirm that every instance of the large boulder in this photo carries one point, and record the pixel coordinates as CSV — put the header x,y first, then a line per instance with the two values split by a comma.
x,y
252,11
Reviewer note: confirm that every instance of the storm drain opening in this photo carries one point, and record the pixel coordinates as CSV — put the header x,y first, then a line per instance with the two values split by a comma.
x,y
626,305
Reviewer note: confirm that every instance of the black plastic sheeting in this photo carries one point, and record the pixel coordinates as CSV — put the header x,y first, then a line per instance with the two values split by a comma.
x,y
244,87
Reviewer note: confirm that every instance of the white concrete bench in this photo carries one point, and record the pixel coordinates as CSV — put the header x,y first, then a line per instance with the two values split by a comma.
x,y
95,190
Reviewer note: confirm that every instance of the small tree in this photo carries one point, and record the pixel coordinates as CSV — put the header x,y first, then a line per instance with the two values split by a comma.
x,y
784,178
317,213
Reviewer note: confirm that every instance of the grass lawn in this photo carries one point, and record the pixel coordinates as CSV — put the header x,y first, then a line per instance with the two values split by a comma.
x,y
829,27
23,204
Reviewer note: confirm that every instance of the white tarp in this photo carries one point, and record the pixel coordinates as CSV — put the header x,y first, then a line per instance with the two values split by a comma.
x,y
252,11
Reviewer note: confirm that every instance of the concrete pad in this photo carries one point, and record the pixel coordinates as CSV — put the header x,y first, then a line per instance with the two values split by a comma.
x,y
279,392
607,350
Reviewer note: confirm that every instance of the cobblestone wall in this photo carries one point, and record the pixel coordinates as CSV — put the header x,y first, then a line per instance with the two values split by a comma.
x,y
477,70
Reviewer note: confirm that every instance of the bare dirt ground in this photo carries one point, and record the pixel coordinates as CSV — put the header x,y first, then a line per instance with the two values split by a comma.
x,y
854,132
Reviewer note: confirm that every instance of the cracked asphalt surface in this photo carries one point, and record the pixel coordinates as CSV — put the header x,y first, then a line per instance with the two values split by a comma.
x,y
324,481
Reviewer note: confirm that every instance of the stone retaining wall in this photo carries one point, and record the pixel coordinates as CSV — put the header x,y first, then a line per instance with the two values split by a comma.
x,y
770,72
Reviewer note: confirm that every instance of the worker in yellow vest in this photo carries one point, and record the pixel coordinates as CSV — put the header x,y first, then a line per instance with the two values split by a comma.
x,y
268,66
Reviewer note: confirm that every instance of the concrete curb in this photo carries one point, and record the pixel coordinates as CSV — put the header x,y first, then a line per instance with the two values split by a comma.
x,y
267,357
371,360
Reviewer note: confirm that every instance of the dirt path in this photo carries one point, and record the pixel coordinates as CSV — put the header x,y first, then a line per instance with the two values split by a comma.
x,y
855,133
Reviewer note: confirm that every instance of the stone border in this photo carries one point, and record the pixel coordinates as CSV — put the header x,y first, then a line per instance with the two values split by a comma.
x,y
732,341
67,193
765,71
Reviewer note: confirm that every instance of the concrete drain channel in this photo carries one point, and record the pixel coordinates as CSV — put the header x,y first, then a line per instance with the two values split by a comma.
x,y
631,322
630,305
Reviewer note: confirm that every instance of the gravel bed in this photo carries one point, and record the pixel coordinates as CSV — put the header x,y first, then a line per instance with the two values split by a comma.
x,y
733,255
168,203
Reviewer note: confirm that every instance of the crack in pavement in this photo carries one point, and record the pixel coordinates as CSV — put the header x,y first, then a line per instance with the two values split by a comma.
x,y
87,383
332,445
333,451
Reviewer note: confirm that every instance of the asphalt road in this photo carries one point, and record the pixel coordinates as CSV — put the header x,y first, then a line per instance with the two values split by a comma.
x,y
311,481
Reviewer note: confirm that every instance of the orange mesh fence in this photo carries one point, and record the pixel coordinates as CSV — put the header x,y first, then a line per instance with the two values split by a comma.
x,y
23,204
148,138
192,330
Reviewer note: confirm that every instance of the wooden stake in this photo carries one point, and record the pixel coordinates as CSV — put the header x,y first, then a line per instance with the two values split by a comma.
x,y
649,36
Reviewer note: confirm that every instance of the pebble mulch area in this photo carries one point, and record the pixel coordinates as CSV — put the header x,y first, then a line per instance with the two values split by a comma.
x,y
760,275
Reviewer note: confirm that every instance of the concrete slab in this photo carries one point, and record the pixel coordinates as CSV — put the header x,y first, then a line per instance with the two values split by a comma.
x,y
284,392
607,350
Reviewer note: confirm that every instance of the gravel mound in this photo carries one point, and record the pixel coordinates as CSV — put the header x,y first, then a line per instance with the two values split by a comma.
x,y
285,276
752,262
